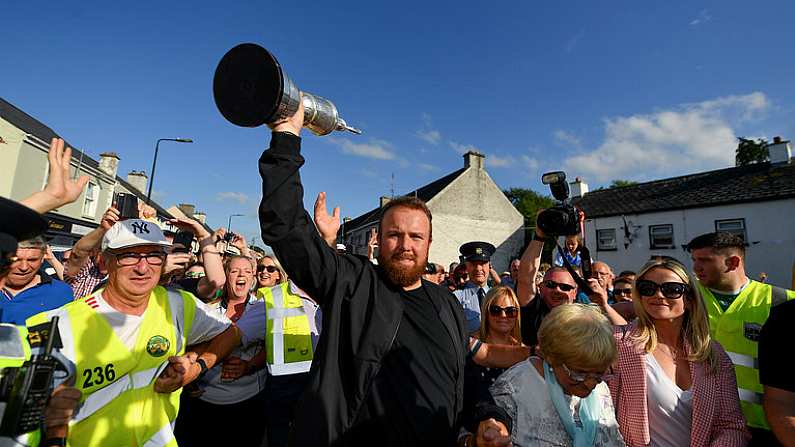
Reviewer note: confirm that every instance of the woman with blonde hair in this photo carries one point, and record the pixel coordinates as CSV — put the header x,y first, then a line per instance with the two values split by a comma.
x,y
269,272
673,385
560,399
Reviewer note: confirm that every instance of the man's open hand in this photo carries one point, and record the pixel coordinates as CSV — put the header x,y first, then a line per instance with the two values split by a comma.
x,y
327,225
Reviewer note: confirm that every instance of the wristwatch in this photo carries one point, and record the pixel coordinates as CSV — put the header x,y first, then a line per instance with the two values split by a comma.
x,y
54,442
203,365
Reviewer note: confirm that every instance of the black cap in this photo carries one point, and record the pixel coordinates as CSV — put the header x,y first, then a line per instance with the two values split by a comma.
x,y
19,221
477,251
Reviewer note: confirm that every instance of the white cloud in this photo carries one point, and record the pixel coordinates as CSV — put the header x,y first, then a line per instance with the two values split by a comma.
x,y
689,138
496,161
427,167
703,17
463,148
529,163
427,133
378,149
232,196
573,41
430,136
567,139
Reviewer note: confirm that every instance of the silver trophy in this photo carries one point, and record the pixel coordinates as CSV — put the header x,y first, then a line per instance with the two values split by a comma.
x,y
252,89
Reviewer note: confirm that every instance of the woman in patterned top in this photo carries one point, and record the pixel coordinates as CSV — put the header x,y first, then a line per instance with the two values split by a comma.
x,y
560,400
673,386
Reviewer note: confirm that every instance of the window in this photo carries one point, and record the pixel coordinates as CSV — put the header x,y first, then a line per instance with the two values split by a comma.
x,y
90,203
661,236
736,226
606,239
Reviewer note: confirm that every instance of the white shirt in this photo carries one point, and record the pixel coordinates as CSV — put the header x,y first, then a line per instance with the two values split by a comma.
x,y
670,407
223,392
206,323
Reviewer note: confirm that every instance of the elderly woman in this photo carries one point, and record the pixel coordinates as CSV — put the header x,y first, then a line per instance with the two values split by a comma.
x,y
232,390
500,327
560,400
269,272
674,386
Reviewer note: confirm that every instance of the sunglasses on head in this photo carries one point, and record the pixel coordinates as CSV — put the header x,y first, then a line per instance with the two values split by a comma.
x,y
559,285
673,290
510,311
269,268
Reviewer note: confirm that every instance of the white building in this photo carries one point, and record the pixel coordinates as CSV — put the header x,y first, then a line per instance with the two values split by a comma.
x,y
466,206
625,226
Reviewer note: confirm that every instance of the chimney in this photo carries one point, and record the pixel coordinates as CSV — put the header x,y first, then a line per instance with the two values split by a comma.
x,y
780,151
138,180
474,159
187,208
200,216
578,187
383,200
109,163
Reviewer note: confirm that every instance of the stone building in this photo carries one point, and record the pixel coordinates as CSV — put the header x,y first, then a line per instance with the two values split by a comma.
x,y
466,205
24,143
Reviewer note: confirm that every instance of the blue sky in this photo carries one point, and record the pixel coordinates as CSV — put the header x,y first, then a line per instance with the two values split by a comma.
x,y
624,89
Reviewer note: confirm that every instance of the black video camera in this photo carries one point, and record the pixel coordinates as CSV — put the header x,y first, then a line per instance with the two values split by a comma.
x,y
562,219
26,383
229,236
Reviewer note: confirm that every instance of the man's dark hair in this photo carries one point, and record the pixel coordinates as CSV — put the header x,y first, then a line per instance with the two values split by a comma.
x,y
720,241
627,273
410,203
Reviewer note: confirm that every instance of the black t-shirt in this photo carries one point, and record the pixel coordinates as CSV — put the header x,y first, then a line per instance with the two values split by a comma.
x,y
415,387
531,317
775,341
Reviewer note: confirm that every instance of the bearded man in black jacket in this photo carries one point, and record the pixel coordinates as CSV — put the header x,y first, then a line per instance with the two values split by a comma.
x,y
389,366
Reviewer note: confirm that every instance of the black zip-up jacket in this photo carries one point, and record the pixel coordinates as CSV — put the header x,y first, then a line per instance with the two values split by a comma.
x,y
362,310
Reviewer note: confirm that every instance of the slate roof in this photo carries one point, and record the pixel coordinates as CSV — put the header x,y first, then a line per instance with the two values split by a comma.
x,y
28,124
752,183
424,193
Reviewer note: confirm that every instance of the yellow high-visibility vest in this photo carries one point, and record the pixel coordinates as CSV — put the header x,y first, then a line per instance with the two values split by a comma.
x,y
119,406
288,337
737,330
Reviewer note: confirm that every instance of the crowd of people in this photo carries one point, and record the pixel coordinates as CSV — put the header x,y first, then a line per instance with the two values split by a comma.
x,y
219,342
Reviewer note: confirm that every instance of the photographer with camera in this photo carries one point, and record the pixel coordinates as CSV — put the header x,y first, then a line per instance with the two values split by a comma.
x,y
128,342
560,284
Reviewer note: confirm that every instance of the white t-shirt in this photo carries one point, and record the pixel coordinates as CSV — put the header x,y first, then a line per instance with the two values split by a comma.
x,y
206,323
670,407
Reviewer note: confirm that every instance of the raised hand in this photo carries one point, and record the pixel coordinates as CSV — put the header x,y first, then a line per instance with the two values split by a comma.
x,y
326,224
60,188
110,218
293,124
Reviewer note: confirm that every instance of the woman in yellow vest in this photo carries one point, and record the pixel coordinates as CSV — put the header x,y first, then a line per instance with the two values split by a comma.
x,y
233,390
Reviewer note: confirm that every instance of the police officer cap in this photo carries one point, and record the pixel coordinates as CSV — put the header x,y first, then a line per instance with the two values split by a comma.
x,y
477,251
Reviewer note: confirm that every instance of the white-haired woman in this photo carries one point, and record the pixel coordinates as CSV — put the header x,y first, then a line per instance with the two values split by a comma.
x,y
674,386
560,399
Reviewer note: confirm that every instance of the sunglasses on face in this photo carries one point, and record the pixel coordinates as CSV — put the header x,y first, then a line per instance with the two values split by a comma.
x,y
627,291
558,285
268,268
510,311
580,377
673,290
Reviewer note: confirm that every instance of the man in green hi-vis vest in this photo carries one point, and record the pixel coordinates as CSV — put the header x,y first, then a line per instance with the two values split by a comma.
x,y
738,307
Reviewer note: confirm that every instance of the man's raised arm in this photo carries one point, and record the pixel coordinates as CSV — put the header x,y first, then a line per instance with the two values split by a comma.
x,y
285,224
528,267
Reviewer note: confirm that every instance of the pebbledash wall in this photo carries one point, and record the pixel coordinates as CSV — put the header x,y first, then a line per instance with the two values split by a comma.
x,y
769,228
467,206
473,208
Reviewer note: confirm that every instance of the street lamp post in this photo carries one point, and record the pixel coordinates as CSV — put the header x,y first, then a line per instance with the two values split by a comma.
x,y
154,163
229,224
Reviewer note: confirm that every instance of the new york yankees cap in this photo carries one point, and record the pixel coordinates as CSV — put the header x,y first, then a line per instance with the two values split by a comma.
x,y
132,233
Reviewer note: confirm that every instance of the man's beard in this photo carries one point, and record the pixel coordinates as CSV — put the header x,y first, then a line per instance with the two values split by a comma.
x,y
399,275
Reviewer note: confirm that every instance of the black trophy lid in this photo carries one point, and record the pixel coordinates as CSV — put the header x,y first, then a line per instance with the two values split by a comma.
x,y
248,85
